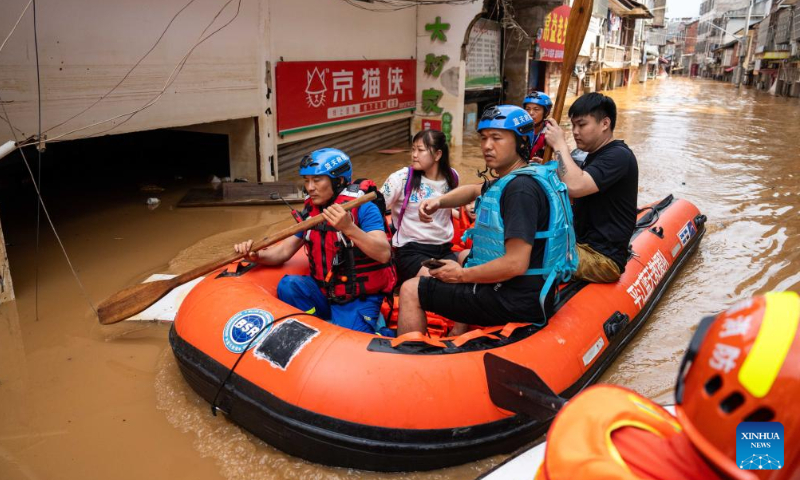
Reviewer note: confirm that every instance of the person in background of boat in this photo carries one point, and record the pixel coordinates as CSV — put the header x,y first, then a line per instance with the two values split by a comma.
x,y
463,220
349,254
604,189
538,106
504,273
429,176
742,365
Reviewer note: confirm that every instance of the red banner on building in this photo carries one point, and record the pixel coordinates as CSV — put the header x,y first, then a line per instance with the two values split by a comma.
x,y
317,94
428,124
551,45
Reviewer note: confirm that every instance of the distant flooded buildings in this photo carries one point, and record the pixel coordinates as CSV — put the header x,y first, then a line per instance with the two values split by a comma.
x,y
753,44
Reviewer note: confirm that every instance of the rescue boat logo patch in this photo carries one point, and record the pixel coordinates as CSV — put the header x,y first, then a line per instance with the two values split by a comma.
x,y
240,331
686,233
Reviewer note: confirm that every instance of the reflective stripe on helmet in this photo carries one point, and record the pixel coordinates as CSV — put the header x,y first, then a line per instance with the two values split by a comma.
x,y
778,329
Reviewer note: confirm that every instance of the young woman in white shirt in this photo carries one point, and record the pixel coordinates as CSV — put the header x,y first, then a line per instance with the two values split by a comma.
x,y
429,176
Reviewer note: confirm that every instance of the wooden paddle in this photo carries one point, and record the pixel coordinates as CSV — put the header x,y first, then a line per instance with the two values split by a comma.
x,y
133,300
579,18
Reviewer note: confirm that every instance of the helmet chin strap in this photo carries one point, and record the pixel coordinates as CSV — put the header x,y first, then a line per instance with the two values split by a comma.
x,y
544,118
337,190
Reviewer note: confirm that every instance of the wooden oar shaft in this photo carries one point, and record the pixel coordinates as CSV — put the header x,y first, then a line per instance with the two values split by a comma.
x,y
270,240
579,17
133,300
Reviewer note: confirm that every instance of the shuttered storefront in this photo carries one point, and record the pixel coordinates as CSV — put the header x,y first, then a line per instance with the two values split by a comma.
x,y
352,142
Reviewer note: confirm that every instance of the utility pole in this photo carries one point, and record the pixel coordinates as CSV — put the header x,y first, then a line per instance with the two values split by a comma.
x,y
743,46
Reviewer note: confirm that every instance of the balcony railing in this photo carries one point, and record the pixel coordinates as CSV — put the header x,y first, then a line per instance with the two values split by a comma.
x,y
614,56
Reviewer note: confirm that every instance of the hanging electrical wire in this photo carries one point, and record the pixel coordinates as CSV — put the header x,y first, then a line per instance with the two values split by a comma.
x,y
46,212
15,25
39,162
510,24
5,119
170,80
471,43
125,77
174,75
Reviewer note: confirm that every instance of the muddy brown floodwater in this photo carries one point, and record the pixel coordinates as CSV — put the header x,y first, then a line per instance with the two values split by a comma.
x,y
81,401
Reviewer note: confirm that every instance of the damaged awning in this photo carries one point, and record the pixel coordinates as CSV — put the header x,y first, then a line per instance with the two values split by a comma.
x,y
629,8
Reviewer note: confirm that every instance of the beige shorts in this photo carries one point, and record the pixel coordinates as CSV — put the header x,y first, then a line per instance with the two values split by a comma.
x,y
595,267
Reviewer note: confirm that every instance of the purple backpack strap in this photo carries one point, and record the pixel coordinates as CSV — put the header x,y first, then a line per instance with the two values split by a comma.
x,y
406,197
407,194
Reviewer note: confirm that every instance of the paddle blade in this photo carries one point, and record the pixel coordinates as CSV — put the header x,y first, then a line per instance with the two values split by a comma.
x,y
132,300
519,389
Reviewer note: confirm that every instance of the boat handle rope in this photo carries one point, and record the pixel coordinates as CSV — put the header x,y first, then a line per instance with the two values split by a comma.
x,y
214,407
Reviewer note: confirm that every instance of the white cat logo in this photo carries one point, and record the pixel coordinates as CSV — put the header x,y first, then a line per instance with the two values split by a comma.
x,y
315,89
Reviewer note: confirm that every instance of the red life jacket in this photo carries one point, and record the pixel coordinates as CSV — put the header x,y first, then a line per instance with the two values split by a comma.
x,y
537,150
461,225
342,271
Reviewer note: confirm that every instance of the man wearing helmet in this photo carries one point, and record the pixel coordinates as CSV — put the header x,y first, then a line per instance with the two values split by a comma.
x,y
742,365
604,189
349,254
538,106
504,273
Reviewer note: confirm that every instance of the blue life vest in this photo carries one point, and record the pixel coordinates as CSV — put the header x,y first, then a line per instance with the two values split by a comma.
x,y
488,235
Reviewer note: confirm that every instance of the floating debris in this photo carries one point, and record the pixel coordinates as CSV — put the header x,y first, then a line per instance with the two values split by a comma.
x,y
150,188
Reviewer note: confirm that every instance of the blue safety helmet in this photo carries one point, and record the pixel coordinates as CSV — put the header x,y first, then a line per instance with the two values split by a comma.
x,y
539,98
513,118
327,161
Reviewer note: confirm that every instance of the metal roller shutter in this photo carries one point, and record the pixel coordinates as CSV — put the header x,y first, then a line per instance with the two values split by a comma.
x,y
352,142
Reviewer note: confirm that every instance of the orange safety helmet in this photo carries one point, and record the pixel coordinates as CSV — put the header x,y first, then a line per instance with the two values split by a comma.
x,y
743,365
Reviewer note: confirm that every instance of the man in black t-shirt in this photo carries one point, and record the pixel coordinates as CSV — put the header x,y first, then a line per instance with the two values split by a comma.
x,y
604,189
497,291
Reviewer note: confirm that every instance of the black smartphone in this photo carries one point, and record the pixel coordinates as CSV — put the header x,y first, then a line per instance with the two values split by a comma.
x,y
432,263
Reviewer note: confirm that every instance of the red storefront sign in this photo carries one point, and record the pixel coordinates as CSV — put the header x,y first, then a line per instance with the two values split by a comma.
x,y
428,124
551,45
317,94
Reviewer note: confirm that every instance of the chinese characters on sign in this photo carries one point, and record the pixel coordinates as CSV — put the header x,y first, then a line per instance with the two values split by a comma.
x,y
483,55
647,280
430,101
433,68
313,94
438,28
551,45
434,64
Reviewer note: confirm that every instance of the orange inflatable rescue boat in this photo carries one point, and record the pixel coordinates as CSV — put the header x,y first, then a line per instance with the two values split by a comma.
x,y
350,399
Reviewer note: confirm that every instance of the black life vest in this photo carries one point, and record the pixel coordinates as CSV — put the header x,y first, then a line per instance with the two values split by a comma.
x,y
342,271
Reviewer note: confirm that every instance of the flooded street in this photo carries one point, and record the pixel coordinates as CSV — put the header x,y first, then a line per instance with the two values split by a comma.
x,y
82,401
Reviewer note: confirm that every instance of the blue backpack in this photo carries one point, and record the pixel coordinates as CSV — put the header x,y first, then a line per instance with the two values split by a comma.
x,y
560,255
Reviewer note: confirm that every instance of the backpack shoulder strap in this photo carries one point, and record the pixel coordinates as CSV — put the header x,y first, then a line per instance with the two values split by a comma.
x,y
406,197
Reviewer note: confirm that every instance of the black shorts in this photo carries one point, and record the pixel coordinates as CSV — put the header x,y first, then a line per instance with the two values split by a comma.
x,y
472,303
410,256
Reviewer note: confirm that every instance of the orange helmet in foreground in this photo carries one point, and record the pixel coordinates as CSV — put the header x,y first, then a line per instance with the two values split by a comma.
x,y
743,365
